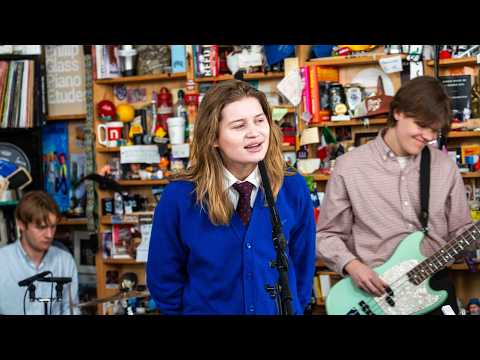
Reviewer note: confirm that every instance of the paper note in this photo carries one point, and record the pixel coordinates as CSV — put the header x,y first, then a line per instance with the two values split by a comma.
x,y
391,64
309,136
291,87
142,154
181,151
278,113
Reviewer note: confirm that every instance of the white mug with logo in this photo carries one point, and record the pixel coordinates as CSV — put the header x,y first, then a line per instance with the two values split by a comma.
x,y
112,131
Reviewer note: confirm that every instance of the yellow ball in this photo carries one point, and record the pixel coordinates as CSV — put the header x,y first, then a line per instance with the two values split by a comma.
x,y
125,112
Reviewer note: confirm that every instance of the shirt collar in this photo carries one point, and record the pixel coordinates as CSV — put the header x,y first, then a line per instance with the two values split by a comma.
x,y
21,251
384,150
230,179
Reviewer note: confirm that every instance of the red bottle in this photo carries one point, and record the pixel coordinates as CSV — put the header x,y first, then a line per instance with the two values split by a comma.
x,y
165,108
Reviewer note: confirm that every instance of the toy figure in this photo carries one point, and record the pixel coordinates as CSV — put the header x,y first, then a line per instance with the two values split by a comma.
x,y
475,98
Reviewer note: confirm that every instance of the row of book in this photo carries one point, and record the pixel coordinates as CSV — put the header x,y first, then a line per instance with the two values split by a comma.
x,y
312,77
17,93
322,283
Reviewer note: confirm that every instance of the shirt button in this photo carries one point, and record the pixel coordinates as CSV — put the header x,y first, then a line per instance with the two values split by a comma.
x,y
251,308
403,177
384,158
249,246
250,275
406,203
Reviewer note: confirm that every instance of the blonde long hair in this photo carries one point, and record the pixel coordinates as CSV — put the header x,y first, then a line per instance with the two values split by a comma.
x,y
206,168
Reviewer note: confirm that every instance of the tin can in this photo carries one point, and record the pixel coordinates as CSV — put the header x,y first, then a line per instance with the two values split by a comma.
x,y
118,204
337,96
107,206
324,95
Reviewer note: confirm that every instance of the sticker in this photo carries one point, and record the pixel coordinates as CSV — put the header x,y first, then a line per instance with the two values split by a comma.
x,y
136,95
120,92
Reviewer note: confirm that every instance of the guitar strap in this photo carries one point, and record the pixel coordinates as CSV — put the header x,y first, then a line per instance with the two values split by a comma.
x,y
424,188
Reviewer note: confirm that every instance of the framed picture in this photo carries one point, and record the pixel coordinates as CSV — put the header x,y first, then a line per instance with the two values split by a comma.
x,y
85,249
364,137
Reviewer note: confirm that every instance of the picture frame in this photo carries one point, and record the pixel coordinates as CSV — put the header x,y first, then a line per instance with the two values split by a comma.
x,y
84,252
364,137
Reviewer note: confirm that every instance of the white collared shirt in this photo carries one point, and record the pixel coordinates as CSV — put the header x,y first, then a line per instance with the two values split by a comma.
x,y
253,178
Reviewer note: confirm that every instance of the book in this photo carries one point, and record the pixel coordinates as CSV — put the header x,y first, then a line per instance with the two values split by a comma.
x,y
306,94
458,88
4,65
314,94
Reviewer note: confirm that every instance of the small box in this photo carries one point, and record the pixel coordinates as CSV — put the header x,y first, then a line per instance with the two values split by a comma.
x,y
178,58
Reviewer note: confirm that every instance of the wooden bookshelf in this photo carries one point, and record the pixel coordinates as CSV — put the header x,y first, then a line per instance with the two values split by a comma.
x,y
351,60
66,117
143,182
123,262
104,149
144,78
377,121
470,175
465,61
463,267
251,76
73,221
127,219
288,148
463,134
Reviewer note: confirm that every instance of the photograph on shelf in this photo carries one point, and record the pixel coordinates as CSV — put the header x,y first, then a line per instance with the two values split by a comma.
x,y
362,138
85,248
112,279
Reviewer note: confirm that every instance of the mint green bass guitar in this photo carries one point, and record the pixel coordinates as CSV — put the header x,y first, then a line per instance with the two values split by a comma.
x,y
405,273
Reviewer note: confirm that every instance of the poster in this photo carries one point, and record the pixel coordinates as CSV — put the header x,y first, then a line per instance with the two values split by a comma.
x,y
65,79
78,194
57,163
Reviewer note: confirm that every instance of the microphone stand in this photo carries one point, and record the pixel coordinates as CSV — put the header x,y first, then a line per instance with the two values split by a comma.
x,y
281,290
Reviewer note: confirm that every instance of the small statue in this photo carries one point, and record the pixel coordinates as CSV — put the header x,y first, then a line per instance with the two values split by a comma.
x,y
475,99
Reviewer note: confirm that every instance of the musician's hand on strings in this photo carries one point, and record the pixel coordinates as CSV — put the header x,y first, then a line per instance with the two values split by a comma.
x,y
365,278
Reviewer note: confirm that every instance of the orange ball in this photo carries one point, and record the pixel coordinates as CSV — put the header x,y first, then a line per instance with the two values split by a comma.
x,y
125,112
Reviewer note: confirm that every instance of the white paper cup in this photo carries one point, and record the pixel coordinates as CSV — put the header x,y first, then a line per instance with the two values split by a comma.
x,y
176,130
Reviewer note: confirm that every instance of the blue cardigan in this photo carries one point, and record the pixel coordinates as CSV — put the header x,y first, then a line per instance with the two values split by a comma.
x,y
195,267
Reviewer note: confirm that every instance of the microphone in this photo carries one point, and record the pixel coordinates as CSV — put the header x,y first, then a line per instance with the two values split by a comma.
x,y
31,279
58,280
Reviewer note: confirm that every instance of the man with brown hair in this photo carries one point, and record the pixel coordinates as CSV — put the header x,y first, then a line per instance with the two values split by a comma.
x,y
37,216
372,200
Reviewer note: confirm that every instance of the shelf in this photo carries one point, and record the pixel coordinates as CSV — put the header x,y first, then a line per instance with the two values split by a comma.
x,y
145,78
378,121
351,60
463,134
288,148
127,219
475,174
104,149
73,221
143,182
465,61
123,262
251,76
67,117
317,177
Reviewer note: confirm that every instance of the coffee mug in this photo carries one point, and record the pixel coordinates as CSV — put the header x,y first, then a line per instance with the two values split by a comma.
x,y
113,133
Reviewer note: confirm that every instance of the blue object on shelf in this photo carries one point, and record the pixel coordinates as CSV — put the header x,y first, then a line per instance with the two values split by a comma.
x,y
322,50
276,53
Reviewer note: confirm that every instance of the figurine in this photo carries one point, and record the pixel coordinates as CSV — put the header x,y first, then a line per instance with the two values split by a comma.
x,y
475,98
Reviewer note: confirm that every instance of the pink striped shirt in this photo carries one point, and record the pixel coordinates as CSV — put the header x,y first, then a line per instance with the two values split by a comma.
x,y
371,205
